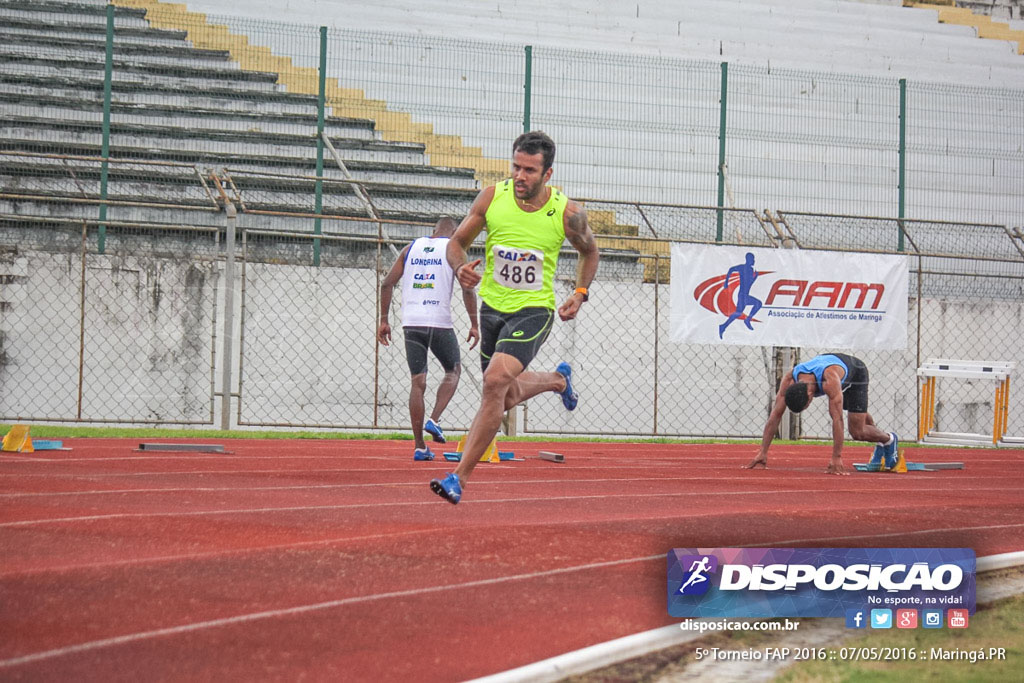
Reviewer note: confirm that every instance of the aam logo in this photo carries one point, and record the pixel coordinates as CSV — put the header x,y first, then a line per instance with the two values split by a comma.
x,y
696,580
731,294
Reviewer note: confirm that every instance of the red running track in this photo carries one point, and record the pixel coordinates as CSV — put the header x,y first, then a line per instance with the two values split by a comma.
x,y
332,560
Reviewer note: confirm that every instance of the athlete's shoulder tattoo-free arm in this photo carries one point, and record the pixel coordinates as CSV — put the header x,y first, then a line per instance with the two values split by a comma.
x,y
475,220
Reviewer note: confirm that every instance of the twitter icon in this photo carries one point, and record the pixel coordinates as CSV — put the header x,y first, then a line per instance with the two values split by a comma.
x,y
881,618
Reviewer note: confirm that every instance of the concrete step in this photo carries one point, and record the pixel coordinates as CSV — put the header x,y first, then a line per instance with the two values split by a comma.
x,y
79,13
79,48
180,75
69,29
88,88
59,111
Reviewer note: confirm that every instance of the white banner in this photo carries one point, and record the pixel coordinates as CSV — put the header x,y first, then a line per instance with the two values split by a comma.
x,y
788,297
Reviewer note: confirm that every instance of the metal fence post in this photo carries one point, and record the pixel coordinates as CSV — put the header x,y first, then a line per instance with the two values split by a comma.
x,y
719,219
902,161
321,100
108,76
657,337
229,315
527,88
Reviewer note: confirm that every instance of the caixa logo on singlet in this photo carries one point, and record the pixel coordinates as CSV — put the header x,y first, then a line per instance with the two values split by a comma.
x,y
510,255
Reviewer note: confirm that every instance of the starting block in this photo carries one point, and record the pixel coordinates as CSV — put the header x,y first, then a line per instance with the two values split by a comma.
x,y
18,441
903,466
190,447
503,456
41,445
552,457
492,454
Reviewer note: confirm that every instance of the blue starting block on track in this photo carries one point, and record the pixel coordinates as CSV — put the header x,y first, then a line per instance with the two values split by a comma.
x,y
911,467
456,456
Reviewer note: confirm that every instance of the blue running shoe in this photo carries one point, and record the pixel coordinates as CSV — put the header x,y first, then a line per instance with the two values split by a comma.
x,y
877,456
435,431
423,454
892,455
448,488
569,397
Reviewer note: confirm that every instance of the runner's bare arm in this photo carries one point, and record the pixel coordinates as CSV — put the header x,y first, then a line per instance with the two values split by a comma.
x,y
464,235
772,426
469,300
578,232
831,383
386,291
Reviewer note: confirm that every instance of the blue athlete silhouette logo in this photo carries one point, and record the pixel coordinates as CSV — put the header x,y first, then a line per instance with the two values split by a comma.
x,y
697,582
746,275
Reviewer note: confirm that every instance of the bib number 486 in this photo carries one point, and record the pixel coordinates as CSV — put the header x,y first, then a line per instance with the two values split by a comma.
x,y
519,274
518,268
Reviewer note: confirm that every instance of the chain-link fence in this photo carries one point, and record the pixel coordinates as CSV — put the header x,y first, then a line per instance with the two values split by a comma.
x,y
143,121
130,335
127,336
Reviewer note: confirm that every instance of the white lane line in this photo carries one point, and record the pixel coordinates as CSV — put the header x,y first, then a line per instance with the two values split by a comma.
x,y
788,543
810,470
477,502
301,609
204,456
418,482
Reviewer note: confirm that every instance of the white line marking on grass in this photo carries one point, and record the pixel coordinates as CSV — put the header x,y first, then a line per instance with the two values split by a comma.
x,y
301,609
305,508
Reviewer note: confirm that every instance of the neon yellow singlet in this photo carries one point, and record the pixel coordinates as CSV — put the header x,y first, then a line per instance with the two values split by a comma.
x,y
522,251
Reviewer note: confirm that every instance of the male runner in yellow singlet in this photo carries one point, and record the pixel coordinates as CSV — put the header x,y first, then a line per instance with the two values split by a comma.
x,y
526,222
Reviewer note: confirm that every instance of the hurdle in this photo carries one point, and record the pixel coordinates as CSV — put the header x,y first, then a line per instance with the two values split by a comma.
x,y
998,371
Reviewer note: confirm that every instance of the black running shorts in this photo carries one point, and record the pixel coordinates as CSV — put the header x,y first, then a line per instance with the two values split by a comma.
x,y
855,384
440,340
519,334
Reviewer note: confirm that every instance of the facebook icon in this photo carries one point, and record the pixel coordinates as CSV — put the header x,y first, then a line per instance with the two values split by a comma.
x,y
855,618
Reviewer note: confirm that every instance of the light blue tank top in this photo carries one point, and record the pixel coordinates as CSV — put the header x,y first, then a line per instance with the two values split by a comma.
x,y
816,366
